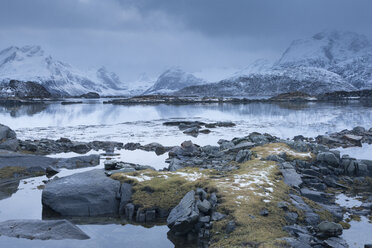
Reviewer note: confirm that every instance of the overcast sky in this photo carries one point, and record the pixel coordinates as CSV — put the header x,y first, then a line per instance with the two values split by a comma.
x,y
131,37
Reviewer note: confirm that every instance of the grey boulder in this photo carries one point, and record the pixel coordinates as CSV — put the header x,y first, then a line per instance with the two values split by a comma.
x,y
84,194
183,217
41,229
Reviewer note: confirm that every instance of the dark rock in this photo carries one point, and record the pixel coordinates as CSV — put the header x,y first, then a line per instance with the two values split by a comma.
x,y
230,227
205,219
90,95
41,229
193,131
264,212
241,146
329,158
328,229
132,146
79,162
150,215
141,216
315,195
291,177
291,217
310,216
201,193
129,211
183,217
204,206
51,171
213,200
8,139
84,194
216,216
283,205
336,242
125,197
80,147
275,158
243,155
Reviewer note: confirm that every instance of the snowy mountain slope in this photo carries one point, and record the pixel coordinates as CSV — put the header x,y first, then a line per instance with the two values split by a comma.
x,y
172,80
29,63
347,54
329,61
273,83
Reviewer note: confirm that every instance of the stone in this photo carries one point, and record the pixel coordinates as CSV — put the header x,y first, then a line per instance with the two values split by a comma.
x,y
201,193
182,218
243,155
205,219
141,216
85,194
8,138
316,196
328,229
150,216
230,227
78,162
193,131
80,147
328,158
216,216
204,206
241,146
42,229
291,177
129,211
291,217
213,200
125,197
355,139
337,242
51,171
283,205
264,212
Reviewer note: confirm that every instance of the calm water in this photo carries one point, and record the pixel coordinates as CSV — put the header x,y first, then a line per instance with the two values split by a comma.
x,y
87,122
97,121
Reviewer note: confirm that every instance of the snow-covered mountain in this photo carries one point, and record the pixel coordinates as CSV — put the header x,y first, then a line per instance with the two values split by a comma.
x,y
29,63
173,80
347,54
328,61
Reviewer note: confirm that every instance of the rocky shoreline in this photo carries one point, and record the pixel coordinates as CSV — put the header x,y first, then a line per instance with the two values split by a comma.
x,y
255,191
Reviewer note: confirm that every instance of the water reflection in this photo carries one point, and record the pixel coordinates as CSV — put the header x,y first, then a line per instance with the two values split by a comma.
x,y
143,123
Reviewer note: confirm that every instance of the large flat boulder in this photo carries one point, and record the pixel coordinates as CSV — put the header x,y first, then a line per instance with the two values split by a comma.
x,y
84,194
15,159
41,229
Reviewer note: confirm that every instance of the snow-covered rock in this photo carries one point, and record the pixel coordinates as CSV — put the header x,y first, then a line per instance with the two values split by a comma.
x,y
173,80
29,63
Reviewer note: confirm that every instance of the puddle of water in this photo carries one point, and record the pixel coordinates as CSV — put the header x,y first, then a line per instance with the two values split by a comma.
x,y
137,157
364,152
111,235
347,202
359,234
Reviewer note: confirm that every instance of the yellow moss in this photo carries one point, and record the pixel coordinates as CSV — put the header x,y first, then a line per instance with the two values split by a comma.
x,y
9,171
244,204
345,225
277,148
323,214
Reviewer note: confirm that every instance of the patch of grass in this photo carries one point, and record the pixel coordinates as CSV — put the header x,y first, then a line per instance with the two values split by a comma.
x,y
243,204
21,172
277,148
344,225
323,214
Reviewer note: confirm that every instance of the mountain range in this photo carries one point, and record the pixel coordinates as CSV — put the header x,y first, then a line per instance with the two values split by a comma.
x,y
329,61
326,62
